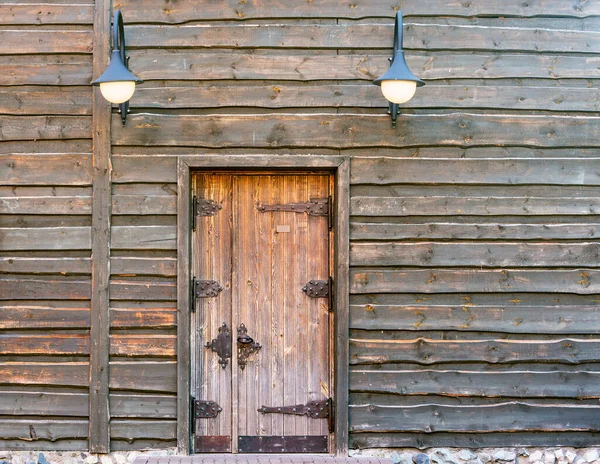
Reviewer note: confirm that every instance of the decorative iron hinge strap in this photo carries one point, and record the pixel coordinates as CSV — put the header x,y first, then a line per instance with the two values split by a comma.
x,y
320,289
314,207
313,409
206,409
203,207
203,289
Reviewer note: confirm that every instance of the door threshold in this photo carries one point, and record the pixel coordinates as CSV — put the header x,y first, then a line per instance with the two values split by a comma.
x,y
259,459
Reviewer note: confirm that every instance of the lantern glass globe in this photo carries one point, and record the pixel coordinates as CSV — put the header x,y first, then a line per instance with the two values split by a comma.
x,y
398,91
117,92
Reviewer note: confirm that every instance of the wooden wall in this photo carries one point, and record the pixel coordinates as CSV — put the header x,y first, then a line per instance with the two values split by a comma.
x,y
45,218
474,276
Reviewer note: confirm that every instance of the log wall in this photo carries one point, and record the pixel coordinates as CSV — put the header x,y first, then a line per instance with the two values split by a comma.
x,y
474,278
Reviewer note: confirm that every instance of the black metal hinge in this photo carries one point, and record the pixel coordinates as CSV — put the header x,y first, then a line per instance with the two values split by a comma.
x,y
203,289
203,207
330,213
320,289
313,409
203,409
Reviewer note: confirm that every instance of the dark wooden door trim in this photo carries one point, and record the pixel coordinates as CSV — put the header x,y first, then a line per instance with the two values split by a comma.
x,y
340,167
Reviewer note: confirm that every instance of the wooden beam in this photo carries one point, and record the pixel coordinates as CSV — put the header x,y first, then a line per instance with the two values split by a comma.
x,y
99,432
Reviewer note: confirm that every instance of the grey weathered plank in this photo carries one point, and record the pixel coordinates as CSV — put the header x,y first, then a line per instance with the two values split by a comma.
x,y
155,10
480,254
30,316
49,100
136,290
427,351
45,13
454,230
144,204
143,376
55,344
346,131
510,317
143,238
507,417
30,372
471,440
524,97
43,265
555,171
44,127
143,406
580,281
58,70
76,205
44,289
43,404
453,205
45,238
124,266
32,430
522,384
76,147
63,169
363,35
44,41
121,429
185,64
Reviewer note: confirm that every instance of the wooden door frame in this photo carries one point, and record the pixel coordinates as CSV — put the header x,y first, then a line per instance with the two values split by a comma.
x,y
339,166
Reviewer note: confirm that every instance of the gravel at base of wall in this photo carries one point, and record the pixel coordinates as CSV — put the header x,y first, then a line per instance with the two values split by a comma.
x,y
558,455
398,456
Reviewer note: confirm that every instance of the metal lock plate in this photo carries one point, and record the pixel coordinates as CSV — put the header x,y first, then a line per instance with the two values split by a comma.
x,y
206,409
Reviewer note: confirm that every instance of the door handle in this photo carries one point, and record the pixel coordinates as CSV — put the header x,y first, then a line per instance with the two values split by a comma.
x,y
245,345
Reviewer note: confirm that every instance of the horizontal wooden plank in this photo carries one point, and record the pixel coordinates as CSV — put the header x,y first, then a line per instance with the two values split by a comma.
x,y
31,431
363,35
139,290
480,254
44,147
155,11
40,316
45,13
44,127
130,430
71,444
184,64
44,289
44,41
427,351
143,406
49,100
55,344
58,70
144,204
521,384
124,266
453,205
510,318
524,97
64,169
462,231
142,345
579,281
146,318
143,376
16,403
144,168
341,131
43,265
423,441
71,205
30,373
143,238
554,171
508,417
46,238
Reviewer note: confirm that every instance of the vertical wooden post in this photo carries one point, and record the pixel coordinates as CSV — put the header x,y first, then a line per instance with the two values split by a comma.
x,y
99,434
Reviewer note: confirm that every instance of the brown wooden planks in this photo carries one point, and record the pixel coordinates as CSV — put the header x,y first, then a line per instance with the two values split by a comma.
x,y
346,131
142,345
45,41
45,238
44,315
31,100
31,373
27,288
55,344
142,406
152,376
58,70
44,404
45,13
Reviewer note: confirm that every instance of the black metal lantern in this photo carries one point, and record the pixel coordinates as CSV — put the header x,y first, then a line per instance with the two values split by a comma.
x,y
398,84
117,83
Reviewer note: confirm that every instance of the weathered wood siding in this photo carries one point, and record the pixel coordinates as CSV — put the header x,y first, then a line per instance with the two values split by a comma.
x,y
474,301
45,224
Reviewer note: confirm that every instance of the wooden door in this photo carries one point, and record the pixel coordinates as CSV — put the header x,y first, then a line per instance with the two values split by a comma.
x,y
264,238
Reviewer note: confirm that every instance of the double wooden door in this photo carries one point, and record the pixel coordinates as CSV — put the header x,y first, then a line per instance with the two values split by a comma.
x,y
261,364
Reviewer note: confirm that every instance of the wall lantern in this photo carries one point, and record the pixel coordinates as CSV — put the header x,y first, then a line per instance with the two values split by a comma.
x,y
117,84
398,84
